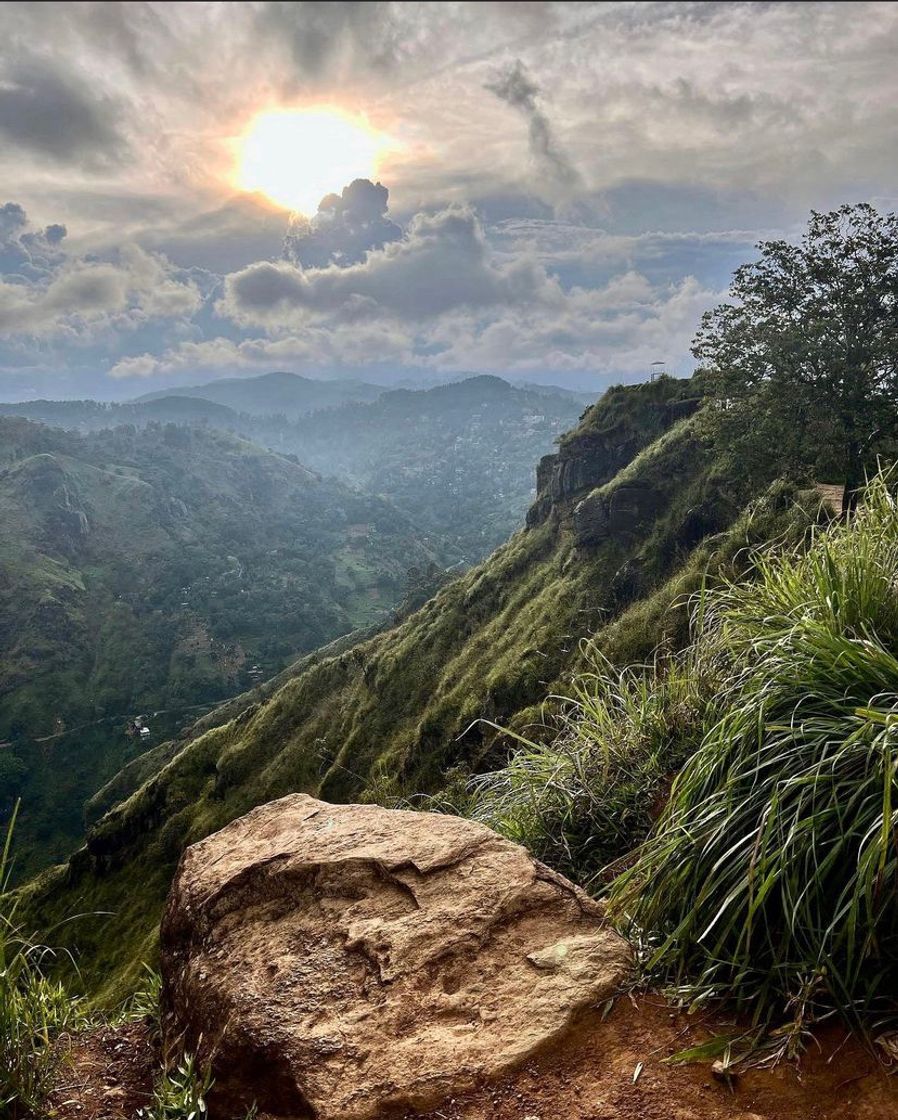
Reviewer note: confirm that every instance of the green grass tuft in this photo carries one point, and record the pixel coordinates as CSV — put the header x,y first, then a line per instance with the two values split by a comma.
x,y
34,1010
588,795
772,877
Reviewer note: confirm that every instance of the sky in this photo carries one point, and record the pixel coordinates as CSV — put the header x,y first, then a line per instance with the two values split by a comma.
x,y
558,190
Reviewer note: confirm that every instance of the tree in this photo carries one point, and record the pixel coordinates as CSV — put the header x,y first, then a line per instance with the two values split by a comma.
x,y
802,365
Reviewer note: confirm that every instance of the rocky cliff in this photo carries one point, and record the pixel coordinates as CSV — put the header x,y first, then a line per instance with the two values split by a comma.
x,y
608,438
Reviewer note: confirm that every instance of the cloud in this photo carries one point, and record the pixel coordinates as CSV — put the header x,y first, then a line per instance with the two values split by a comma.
x,y
516,88
27,254
335,35
49,112
311,348
444,298
443,262
44,292
682,133
345,228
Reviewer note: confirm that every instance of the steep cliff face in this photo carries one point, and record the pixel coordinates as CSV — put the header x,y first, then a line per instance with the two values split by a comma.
x,y
610,435
396,713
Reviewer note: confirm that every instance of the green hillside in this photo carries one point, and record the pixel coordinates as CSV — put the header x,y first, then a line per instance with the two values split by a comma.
x,y
458,458
151,571
631,512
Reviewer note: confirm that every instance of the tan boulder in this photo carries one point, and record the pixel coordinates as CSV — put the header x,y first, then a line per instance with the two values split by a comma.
x,y
347,962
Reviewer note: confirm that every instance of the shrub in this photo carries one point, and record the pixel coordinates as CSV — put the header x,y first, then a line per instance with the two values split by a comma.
x,y
34,1010
180,1093
589,794
772,876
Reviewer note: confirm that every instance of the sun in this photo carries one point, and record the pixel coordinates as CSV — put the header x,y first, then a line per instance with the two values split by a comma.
x,y
297,156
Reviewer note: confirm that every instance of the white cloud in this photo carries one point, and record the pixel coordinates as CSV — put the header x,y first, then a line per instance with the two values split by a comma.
x,y
77,296
312,347
442,263
681,134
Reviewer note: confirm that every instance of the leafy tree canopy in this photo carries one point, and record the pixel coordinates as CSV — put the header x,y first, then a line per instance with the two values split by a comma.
x,y
802,364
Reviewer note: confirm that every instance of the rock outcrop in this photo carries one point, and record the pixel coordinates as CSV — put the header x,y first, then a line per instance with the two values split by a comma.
x,y
626,510
606,440
351,962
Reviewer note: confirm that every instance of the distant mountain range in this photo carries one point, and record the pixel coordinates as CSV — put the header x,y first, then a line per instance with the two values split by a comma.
x,y
457,458
279,392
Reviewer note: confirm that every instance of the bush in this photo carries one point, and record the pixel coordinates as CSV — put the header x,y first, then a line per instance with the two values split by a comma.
x,y
772,876
589,794
34,1010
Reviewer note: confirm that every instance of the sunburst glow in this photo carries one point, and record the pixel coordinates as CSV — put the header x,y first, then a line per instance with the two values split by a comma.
x,y
297,156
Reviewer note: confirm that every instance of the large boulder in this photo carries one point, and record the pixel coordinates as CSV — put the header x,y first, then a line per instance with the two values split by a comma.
x,y
347,962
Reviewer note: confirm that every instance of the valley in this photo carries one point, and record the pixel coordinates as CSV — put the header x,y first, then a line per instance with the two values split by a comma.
x,y
147,572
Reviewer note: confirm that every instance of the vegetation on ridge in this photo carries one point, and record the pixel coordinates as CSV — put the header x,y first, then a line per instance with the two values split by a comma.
x,y
771,877
802,363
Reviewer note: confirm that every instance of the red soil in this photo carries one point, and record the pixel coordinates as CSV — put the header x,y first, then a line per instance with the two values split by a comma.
x,y
109,1072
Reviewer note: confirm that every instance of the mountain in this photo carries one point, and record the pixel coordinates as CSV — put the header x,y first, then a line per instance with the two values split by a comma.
x,y
457,458
582,397
155,570
631,511
94,416
279,392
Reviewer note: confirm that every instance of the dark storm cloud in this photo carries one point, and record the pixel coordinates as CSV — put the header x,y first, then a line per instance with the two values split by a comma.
x,y
50,113
346,227
516,88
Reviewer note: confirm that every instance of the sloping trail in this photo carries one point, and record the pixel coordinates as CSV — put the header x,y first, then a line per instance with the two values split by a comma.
x,y
105,1074
591,1077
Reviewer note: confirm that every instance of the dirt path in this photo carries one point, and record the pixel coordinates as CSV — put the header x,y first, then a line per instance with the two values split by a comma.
x,y
615,1070
109,1077
105,1074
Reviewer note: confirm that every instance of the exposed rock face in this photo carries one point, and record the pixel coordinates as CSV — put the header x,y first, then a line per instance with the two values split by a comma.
x,y
592,458
588,462
591,520
625,510
349,961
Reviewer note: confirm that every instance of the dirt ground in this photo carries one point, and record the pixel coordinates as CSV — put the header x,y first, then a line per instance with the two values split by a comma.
x,y
105,1074
609,1069
615,1070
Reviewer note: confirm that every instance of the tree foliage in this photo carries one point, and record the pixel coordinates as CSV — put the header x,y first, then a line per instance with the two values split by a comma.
x,y
802,364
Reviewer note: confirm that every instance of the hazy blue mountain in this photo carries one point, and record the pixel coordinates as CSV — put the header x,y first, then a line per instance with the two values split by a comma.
x,y
279,392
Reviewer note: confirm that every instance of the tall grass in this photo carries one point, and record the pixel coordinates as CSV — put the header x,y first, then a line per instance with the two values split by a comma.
x,y
772,876
590,794
34,1010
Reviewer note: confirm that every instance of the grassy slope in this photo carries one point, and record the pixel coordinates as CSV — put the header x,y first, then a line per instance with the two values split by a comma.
x,y
394,713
